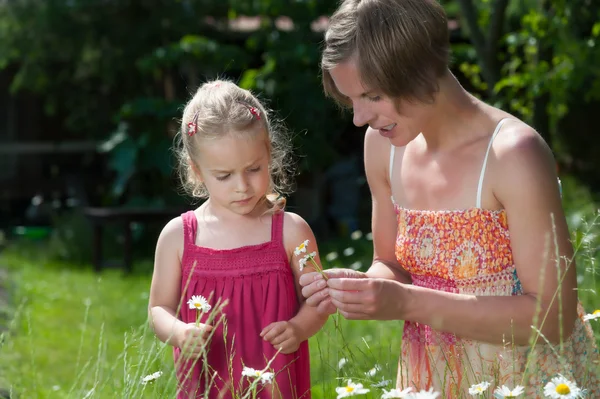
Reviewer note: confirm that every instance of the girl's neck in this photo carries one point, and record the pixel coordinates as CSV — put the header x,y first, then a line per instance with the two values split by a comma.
x,y
215,212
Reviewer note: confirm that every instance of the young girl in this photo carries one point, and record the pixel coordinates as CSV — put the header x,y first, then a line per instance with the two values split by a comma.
x,y
236,251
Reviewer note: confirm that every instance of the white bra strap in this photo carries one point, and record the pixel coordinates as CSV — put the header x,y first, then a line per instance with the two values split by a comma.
x,y
487,153
392,152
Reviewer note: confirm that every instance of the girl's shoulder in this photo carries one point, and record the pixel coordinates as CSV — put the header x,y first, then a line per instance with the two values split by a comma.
x,y
171,237
296,230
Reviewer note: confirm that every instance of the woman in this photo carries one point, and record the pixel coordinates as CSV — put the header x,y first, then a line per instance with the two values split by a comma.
x,y
471,245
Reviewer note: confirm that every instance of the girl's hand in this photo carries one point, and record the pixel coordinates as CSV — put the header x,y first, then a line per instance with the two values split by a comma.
x,y
316,291
192,339
283,335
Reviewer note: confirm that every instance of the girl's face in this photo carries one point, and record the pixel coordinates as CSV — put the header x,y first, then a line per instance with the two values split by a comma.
x,y
235,170
401,124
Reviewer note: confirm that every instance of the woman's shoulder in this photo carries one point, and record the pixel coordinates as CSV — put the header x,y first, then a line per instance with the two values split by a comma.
x,y
517,144
522,161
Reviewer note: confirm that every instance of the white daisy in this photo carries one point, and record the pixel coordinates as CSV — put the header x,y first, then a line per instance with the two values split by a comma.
x,y
302,262
592,316
351,389
431,394
356,235
151,377
504,392
264,376
342,363
396,393
373,371
301,248
198,302
382,383
479,389
559,387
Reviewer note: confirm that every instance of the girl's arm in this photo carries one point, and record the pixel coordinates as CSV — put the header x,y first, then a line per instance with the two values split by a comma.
x,y
297,231
522,176
287,335
165,291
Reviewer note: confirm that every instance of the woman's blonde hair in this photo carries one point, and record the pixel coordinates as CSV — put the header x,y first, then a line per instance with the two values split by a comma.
x,y
401,47
219,108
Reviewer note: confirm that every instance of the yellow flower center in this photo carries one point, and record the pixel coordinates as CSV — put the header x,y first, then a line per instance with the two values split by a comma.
x,y
349,389
197,304
563,389
597,311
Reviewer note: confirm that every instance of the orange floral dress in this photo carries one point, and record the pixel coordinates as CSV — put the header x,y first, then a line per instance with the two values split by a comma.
x,y
469,252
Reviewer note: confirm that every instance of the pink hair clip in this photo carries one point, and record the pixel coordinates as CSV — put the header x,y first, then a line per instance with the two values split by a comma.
x,y
254,112
192,128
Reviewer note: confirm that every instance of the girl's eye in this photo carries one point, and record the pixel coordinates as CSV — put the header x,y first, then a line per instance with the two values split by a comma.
x,y
254,169
221,178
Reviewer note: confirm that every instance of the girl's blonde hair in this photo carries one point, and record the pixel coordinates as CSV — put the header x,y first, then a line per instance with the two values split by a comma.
x,y
219,108
401,47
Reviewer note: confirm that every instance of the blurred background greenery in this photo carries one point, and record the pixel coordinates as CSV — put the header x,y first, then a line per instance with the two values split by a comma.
x,y
91,92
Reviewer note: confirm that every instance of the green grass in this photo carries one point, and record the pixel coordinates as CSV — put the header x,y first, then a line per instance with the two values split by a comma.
x,y
74,334
73,330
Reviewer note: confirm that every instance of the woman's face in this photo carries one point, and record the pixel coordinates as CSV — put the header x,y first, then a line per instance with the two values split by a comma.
x,y
400,123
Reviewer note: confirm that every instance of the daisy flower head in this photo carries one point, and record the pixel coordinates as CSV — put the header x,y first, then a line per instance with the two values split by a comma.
x,y
373,371
301,248
561,388
351,389
479,389
396,393
151,377
592,316
264,376
303,261
382,383
199,303
431,394
504,392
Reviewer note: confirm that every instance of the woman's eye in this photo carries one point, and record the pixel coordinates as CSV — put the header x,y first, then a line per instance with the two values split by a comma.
x,y
375,98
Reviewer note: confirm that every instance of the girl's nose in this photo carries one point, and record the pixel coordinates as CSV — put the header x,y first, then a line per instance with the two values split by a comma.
x,y
242,184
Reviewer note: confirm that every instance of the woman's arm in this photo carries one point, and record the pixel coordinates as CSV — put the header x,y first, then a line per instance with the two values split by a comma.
x,y
523,179
384,222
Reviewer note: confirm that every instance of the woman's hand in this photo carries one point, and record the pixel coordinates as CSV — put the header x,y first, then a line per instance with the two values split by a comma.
x,y
368,298
315,287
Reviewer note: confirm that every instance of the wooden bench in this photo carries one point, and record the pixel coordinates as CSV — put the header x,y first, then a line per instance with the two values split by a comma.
x,y
100,217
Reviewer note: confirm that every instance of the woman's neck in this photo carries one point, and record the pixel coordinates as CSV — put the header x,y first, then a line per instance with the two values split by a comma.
x,y
455,117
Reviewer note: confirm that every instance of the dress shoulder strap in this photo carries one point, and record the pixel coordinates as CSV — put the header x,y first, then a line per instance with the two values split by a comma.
x,y
392,153
487,153
190,225
277,228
